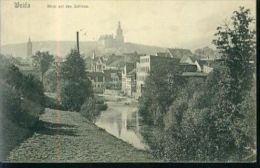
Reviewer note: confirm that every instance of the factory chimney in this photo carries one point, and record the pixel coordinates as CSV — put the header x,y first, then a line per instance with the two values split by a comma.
x,y
78,41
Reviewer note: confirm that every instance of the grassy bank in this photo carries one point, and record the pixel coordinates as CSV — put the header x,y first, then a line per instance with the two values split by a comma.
x,y
11,136
67,136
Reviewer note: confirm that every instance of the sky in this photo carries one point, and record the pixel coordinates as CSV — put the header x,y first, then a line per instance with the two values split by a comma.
x,y
166,23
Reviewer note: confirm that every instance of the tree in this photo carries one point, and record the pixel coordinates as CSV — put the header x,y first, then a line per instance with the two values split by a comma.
x,y
76,84
42,62
159,91
236,43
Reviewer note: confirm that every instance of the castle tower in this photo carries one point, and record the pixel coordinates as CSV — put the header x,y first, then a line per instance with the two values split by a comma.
x,y
119,34
29,51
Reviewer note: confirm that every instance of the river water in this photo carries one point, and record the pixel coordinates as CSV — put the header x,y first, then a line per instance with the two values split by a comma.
x,y
122,120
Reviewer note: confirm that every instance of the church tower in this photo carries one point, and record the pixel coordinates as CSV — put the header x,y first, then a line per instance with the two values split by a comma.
x,y
119,34
93,63
29,49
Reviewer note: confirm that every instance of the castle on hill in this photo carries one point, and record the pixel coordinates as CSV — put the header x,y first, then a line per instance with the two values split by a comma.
x,y
109,41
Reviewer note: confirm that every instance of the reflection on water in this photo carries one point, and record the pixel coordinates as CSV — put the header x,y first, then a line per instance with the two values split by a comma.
x,y
122,121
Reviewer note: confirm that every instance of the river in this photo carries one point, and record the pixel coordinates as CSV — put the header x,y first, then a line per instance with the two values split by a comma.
x,y
122,120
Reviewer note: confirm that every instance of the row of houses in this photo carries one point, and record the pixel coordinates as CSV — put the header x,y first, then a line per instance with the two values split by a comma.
x,y
103,77
130,79
135,74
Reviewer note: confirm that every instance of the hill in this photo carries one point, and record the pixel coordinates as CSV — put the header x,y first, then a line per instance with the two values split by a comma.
x,y
62,48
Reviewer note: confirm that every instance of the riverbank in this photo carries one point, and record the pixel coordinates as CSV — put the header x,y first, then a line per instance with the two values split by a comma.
x,y
122,120
68,137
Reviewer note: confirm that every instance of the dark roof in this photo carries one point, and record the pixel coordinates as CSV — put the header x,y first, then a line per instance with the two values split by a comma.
x,y
154,57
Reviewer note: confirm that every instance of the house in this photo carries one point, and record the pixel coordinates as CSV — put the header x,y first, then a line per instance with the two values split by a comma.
x,y
190,60
131,83
207,65
96,73
129,79
98,81
145,66
97,63
113,79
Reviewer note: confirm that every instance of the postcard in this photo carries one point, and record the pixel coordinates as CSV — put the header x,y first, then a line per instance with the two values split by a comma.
x,y
128,81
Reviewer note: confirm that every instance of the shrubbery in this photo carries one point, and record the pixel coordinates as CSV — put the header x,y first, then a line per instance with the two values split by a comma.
x,y
92,107
23,98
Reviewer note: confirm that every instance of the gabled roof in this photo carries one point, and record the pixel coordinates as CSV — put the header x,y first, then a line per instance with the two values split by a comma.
x,y
185,57
178,52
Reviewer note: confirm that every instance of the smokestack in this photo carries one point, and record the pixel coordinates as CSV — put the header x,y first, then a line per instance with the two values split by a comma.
x,y
78,41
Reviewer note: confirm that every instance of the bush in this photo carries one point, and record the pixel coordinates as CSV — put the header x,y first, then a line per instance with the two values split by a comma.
x,y
99,100
92,107
101,107
74,94
88,109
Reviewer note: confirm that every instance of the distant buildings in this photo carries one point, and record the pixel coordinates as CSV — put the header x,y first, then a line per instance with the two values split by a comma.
x,y
134,75
102,77
109,41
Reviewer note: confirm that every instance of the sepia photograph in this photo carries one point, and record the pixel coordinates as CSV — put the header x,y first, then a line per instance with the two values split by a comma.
x,y
132,81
